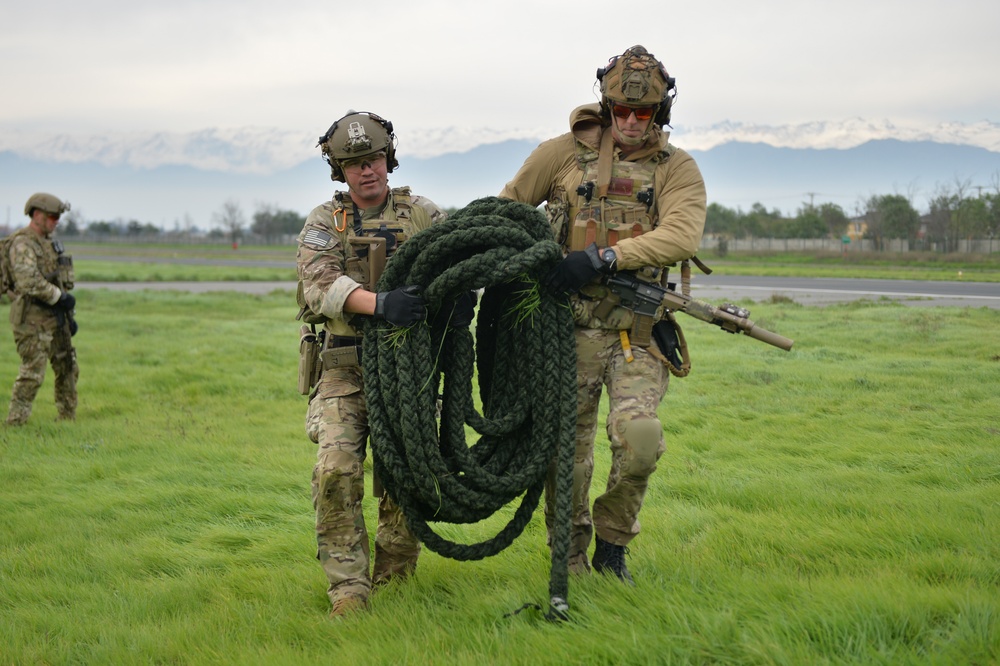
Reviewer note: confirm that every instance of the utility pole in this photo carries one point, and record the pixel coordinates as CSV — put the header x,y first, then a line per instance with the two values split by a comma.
x,y
811,195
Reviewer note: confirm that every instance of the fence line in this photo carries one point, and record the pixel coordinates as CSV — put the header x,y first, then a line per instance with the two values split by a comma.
x,y
709,242
968,246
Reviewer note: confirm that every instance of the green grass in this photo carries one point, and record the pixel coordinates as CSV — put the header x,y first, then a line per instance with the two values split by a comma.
x,y
835,504
869,265
153,262
119,271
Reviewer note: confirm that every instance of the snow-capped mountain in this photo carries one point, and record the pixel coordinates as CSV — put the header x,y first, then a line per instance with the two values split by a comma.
x,y
172,179
254,150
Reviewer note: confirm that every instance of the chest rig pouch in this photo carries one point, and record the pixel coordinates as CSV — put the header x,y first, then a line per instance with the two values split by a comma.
x,y
616,200
369,243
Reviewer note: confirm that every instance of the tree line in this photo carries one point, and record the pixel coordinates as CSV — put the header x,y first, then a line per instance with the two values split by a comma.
x,y
269,222
956,212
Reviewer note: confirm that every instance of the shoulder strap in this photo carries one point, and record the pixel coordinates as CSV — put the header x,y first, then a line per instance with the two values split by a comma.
x,y
604,160
402,202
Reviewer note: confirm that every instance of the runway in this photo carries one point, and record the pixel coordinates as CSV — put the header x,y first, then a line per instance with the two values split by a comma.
x,y
712,288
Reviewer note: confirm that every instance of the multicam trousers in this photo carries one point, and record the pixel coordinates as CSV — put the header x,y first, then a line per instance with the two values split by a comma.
x,y
41,340
337,421
635,391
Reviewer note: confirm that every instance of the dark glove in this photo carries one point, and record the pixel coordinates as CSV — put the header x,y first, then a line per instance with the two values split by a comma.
x,y
73,327
66,302
400,307
462,311
576,270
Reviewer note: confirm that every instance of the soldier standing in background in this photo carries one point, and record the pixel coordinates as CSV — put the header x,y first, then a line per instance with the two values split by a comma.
x,y
37,276
342,249
619,197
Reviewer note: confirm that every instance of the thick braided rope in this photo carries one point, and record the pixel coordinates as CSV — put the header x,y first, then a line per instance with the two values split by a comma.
x,y
526,365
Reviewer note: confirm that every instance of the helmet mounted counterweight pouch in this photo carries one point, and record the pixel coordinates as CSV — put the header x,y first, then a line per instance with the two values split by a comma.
x,y
357,134
628,79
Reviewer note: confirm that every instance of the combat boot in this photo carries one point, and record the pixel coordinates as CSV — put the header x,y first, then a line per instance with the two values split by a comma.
x,y
388,568
347,605
19,413
610,559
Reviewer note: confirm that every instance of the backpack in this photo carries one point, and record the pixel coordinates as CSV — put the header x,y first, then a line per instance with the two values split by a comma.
x,y
6,274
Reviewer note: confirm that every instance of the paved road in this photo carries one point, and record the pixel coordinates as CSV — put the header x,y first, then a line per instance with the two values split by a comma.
x,y
823,291
711,288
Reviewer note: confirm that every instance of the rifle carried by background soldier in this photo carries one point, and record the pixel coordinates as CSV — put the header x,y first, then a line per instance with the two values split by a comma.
x,y
64,278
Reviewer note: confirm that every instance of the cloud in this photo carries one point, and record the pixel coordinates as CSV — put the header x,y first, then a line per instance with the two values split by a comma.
x,y
112,65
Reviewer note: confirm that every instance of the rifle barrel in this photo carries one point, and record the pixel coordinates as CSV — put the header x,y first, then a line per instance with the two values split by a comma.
x,y
713,315
770,338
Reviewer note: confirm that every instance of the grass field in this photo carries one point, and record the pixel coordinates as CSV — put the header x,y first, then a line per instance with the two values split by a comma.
x,y
836,504
111,262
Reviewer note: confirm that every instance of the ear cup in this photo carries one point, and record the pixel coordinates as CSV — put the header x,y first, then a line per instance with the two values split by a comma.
x,y
662,116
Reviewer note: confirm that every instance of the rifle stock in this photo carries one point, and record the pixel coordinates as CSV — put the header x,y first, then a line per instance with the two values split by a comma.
x,y
642,297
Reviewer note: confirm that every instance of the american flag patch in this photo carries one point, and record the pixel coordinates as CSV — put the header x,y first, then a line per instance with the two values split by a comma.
x,y
317,238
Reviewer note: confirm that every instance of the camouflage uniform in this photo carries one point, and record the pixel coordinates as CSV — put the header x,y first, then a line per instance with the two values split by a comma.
x,y
38,333
328,271
654,236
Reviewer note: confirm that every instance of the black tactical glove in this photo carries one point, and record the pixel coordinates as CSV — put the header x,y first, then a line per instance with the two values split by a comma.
x,y
66,302
460,313
576,270
73,327
400,307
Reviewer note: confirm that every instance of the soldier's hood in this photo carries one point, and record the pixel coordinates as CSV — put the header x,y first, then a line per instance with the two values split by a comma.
x,y
586,124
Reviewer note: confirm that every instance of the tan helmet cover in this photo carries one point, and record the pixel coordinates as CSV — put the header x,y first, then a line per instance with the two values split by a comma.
x,y
46,203
636,78
356,135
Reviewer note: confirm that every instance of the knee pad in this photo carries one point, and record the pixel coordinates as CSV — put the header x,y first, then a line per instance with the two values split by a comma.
x,y
338,479
642,438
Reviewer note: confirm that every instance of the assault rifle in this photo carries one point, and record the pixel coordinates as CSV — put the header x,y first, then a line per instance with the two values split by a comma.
x,y
645,298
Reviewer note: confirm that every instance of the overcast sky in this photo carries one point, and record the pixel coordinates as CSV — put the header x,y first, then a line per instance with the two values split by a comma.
x,y
298,65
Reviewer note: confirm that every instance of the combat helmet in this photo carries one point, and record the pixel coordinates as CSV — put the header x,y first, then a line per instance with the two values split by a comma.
x,y
637,78
357,134
46,203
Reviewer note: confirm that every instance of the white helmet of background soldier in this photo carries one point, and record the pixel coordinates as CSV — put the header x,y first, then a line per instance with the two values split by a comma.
x,y
46,203
357,134
636,78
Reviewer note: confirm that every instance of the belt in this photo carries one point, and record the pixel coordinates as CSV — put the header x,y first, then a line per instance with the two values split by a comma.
x,y
341,352
344,341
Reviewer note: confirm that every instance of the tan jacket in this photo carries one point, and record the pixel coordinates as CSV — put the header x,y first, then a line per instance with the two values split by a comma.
x,y
680,189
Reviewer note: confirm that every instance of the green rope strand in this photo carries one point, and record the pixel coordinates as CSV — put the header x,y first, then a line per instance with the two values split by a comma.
x,y
526,365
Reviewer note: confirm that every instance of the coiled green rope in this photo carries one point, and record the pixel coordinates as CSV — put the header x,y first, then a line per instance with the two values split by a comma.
x,y
526,365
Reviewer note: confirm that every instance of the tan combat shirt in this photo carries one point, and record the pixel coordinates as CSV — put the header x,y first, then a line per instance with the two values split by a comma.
x,y
680,189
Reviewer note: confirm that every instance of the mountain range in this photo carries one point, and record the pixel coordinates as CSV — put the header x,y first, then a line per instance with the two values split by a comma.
x,y
182,180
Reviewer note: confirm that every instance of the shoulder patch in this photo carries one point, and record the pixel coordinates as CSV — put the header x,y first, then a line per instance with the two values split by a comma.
x,y
317,238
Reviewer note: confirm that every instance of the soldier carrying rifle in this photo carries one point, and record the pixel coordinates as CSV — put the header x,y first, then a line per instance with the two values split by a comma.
x,y
37,275
619,196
